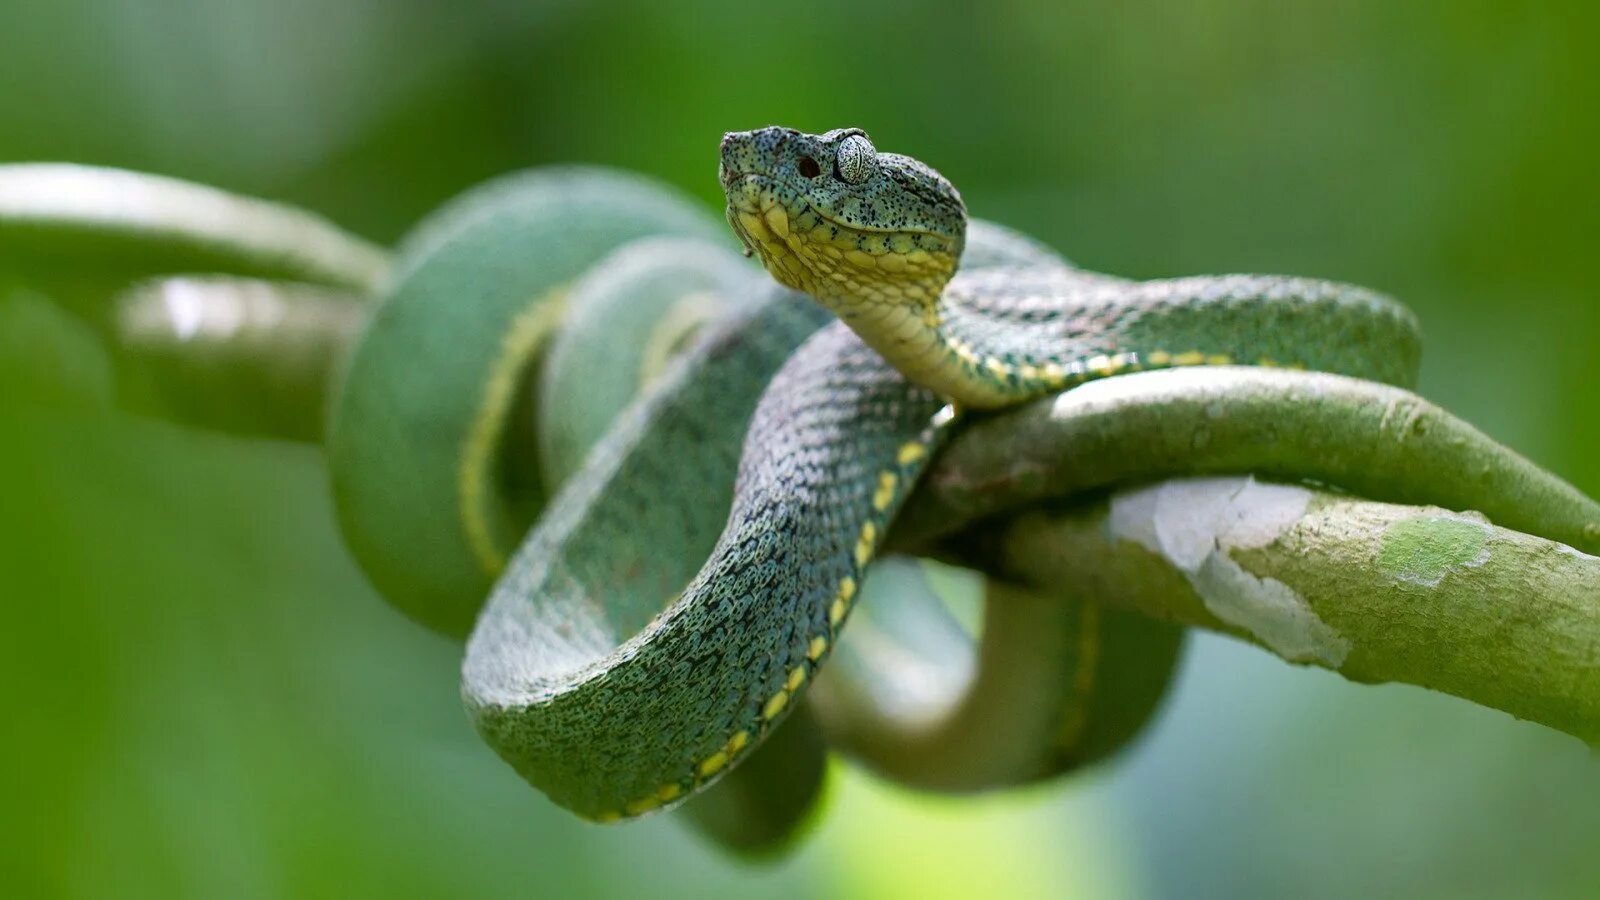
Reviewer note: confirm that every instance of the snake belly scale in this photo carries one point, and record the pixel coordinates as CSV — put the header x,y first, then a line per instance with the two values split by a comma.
x,y
616,714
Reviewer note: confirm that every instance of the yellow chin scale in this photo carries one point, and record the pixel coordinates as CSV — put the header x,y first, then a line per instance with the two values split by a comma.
x,y
475,490
850,269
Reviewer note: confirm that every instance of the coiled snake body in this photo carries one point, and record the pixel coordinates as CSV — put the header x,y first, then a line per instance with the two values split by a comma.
x,y
661,621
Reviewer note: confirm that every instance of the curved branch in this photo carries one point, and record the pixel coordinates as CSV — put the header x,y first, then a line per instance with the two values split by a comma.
x,y
63,220
235,354
1375,591
1381,442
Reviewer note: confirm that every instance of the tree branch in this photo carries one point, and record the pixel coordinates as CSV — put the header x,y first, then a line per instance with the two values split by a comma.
x,y
61,220
1375,591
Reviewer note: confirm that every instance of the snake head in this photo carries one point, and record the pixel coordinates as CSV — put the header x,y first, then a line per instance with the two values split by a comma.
x,y
829,215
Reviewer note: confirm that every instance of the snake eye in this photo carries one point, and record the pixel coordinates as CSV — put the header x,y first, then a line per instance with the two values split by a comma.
x,y
808,167
854,160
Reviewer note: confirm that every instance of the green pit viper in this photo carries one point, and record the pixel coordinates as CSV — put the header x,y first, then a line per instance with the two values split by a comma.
x,y
694,561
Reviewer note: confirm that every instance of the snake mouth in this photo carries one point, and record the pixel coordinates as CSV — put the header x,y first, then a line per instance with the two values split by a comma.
x,y
757,193
729,177
738,184
842,264
752,196
763,184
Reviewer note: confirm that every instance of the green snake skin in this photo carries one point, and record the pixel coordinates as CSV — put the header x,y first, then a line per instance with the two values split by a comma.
x,y
653,294
637,303
708,474
619,676
427,396
626,319
714,467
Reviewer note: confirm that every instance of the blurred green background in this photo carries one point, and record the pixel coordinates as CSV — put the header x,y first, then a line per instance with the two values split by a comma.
x,y
204,699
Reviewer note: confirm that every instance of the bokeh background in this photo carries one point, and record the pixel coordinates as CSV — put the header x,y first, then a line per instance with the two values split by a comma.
x,y
203,698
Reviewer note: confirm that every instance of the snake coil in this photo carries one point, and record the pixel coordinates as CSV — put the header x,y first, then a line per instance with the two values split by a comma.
x,y
670,476
695,553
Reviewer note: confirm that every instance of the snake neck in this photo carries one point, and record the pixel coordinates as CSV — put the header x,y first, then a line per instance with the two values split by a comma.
x,y
959,353
1003,337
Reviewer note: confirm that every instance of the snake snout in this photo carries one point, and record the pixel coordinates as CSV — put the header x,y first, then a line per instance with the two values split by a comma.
x,y
726,171
758,152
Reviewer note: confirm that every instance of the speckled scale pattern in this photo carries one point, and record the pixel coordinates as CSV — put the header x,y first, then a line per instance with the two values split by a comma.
x,y
648,502
549,685
617,695
616,733
1029,332
899,200
605,733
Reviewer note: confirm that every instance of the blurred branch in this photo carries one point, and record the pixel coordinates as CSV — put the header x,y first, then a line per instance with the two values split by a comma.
x,y
249,345
76,223
235,354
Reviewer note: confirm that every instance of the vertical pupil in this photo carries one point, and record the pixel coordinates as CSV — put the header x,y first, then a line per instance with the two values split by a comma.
x,y
854,161
809,167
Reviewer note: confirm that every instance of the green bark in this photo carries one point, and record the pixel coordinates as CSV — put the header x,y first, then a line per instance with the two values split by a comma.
x,y
1377,592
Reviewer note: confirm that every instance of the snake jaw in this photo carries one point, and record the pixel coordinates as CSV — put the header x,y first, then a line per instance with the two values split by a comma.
x,y
828,215
849,270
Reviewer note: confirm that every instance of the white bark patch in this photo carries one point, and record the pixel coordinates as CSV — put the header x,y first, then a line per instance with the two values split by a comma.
x,y
1195,523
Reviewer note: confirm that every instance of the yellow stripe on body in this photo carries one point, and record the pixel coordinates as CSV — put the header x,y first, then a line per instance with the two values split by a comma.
x,y
866,543
775,705
819,646
889,483
841,600
886,491
1084,676
1058,376
673,331
522,342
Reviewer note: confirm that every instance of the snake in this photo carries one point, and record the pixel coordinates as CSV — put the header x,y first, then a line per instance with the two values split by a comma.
x,y
667,582
624,276
617,688
710,461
